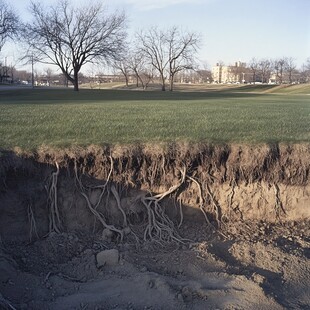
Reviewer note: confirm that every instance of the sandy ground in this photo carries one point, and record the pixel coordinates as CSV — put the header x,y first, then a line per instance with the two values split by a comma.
x,y
243,266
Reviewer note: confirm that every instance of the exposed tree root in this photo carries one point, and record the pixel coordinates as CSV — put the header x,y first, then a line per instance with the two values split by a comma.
x,y
33,225
181,213
101,218
278,204
51,188
216,207
118,202
230,199
5,304
201,200
159,227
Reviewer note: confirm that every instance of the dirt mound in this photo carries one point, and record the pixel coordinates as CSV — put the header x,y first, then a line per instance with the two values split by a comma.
x,y
192,226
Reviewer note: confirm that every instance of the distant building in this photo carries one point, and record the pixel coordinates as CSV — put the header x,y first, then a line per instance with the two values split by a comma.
x,y
238,73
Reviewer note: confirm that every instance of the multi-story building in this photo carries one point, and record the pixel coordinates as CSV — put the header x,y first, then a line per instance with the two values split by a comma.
x,y
237,73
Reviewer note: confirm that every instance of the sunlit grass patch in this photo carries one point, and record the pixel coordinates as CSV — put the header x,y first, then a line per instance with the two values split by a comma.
x,y
30,118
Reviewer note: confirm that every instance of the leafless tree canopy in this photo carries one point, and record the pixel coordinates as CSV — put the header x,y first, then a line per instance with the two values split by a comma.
x,y
264,66
254,65
305,72
169,51
9,23
71,37
134,64
290,66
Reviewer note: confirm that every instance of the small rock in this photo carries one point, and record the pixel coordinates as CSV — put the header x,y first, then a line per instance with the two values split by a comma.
x,y
180,297
88,252
192,245
48,285
107,234
143,269
187,293
257,278
107,257
127,230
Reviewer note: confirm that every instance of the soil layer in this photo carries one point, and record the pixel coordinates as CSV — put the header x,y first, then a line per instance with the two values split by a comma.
x,y
193,226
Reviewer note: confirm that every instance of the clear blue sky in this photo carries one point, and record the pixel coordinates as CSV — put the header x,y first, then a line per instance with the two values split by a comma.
x,y
231,30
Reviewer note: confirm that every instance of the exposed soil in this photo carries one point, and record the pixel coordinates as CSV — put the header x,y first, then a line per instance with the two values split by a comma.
x,y
192,227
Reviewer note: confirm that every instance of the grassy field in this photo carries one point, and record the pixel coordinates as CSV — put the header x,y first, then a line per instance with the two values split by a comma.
x,y
62,118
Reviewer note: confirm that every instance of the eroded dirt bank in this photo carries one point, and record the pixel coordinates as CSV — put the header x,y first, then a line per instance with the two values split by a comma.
x,y
192,226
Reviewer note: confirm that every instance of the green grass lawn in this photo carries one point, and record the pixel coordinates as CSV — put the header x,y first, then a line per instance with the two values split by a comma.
x,y
62,118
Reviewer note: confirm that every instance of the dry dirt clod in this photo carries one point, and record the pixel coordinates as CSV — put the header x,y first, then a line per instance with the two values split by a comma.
x,y
107,258
107,235
127,230
257,278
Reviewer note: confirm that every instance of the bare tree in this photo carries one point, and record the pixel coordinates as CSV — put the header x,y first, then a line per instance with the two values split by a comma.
x,y
254,69
133,63
146,75
290,67
7,73
237,72
169,51
71,37
123,66
279,66
305,71
264,67
182,48
48,73
152,45
136,63
9,23
204,73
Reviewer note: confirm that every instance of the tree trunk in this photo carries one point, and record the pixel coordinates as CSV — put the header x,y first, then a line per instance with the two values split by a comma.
x,y
76,81
75,85
137,80
171,82
163,86
142,83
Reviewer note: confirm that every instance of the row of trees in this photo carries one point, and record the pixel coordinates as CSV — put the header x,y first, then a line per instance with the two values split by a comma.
x,y
161,52
71,37
279,71
284,70
67,36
